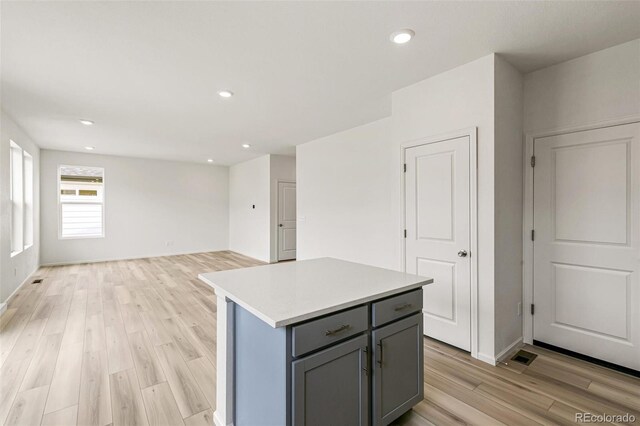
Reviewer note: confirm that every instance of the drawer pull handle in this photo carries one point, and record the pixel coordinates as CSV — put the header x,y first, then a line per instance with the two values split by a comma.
x,y
343,327
403,307
365,351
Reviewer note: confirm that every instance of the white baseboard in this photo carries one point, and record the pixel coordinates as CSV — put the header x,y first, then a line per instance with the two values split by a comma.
x,y
508,349
495,360
217,421
3,306
117,259
486,358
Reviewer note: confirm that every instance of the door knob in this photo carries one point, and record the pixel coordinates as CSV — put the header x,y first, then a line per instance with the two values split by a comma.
x,y
462,253
280,225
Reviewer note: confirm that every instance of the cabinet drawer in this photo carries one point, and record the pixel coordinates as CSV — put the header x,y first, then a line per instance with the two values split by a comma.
x,y
396,307
324,331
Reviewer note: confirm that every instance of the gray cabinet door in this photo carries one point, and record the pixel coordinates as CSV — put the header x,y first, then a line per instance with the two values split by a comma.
x,y
397,369
330,387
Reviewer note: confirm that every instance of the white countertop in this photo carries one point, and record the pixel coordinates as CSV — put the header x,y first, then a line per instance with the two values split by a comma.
x,y
286,293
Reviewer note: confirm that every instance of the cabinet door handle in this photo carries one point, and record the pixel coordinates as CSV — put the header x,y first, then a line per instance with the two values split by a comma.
x,y
343,327
380,351
403,307
365,351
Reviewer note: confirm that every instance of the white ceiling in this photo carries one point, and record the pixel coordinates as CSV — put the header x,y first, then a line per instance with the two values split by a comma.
x,y
147,72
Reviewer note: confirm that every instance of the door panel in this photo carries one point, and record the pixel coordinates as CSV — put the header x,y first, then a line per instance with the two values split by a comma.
x,y
442,297
598,194
587,246
289,240
434,177
576,287
437,190
286,220
331,386
289,202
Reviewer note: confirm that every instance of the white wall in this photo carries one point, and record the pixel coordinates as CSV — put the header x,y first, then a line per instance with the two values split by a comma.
x,y
487,93
589,90
249,228
347,189
282,168
597,87
15,270
254,232
508,203
459,98
349,184
152,208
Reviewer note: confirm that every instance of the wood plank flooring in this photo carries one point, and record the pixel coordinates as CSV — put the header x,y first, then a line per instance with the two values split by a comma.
x,y
550,391
133,342
127,342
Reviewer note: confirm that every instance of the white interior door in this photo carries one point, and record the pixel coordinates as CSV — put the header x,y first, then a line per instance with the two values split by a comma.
x,y
587,243
286,220
437,244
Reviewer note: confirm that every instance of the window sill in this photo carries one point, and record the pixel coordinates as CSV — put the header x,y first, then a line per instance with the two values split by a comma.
x,y
86,237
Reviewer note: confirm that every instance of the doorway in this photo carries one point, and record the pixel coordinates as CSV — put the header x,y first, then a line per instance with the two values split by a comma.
x,y
286,220
440,229
583,281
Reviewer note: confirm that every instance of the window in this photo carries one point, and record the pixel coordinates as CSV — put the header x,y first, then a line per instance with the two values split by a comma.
x,y
28,200
81,196
16,196
21,198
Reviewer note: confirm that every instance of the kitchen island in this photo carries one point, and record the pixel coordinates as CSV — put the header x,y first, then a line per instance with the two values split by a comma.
x,y
317,342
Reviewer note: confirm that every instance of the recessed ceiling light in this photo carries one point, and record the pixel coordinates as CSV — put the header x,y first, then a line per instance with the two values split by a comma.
x,y
89,148
86,122
210,160
402,36
225,93
246,145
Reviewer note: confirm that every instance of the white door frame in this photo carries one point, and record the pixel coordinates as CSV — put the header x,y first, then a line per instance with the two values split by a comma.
x,y
527,222
277,230
470,132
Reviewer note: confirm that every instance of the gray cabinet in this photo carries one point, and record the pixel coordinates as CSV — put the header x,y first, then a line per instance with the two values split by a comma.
x,y
357,367
397,368
330,387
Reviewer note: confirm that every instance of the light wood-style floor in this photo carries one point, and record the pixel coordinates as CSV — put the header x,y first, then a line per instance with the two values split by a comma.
x,y
128,342
550,391
133,342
